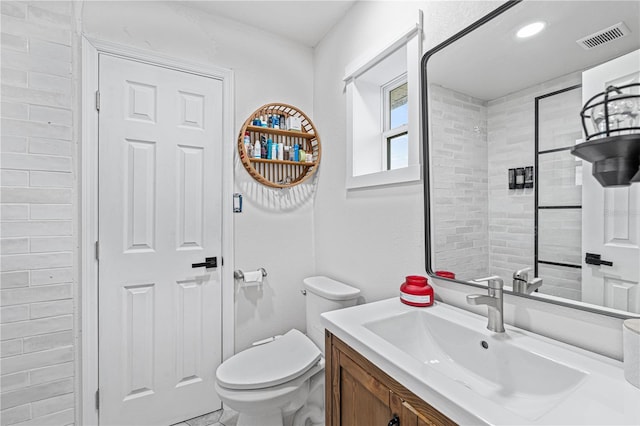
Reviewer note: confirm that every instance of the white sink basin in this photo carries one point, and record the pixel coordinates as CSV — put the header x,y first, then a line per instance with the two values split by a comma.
x,y
493,365
519,378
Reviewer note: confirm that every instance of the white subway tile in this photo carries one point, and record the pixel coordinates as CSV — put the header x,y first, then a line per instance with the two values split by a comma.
x,y
29,62
51,276
51,309
33,360
13,212
13,330
14,178
21,262
49,83
65,417
47,17
36,162
36,96
11,126
59,7
15,110
14,381
51,179
34,294
49,50
36,228
37,195
14,246
54,372
51,211
49,115
13,77
14,42
10,348
14,313
47,341
13,144
52,405
51,146
17,9
14,279
17,26
51,244
36,393
15,415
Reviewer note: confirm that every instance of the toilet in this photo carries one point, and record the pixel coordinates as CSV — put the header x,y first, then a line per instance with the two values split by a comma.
x,y
281,383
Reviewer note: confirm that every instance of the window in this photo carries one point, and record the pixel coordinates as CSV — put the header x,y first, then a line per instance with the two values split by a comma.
x,y
395,138
383,114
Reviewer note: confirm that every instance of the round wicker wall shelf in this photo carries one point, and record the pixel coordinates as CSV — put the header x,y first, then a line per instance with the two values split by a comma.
x,y
282,171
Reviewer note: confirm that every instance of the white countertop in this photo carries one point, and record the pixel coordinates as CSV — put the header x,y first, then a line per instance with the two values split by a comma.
x,y
604,397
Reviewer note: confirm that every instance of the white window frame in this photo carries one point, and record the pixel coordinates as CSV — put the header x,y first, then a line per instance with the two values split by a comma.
x,y
388,132
412,41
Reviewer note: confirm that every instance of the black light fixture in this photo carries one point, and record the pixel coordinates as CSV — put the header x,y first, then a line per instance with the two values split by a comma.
x,y
613,144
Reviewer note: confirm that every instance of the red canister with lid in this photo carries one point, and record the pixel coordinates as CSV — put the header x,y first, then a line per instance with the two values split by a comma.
x,y
416,291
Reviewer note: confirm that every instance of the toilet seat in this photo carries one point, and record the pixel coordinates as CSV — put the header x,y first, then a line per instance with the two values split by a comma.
x,y
270,364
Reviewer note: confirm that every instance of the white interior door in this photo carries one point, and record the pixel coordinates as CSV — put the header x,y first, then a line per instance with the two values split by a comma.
x,y
611,216
160,148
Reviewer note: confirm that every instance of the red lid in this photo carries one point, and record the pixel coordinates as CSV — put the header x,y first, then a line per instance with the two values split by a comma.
x,y
446,274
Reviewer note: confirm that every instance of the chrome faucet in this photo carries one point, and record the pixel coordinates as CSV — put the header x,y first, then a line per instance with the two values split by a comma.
x,y
493,301
521,283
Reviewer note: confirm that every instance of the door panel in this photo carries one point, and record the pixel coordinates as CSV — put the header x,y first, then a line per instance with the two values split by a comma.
x,y
160,148
610,222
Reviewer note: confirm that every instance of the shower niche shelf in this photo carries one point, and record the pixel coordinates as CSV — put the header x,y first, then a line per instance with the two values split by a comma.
x,y
280,173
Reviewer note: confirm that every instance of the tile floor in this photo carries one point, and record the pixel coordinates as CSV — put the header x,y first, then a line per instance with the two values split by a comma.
x,y
224,417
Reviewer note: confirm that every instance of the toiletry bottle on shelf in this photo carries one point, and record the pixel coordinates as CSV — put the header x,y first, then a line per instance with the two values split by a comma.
x,y
256,149
309,157
263,147
275,121
247,143
269,147
302,155
287,153
274,150
296,152
280,151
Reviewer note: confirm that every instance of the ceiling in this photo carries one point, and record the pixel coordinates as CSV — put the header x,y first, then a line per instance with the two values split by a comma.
x,y
306,21
491,62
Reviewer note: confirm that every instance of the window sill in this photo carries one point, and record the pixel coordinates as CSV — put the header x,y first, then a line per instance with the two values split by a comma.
x,y
386,177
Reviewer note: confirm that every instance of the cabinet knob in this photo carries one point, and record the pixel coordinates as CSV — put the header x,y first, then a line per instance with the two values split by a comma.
x,y
395,421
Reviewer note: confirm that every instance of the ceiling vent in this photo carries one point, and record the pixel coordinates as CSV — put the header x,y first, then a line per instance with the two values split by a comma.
x,y
605,36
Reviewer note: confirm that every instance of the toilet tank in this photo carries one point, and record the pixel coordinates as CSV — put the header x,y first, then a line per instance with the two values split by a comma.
x,y
324,295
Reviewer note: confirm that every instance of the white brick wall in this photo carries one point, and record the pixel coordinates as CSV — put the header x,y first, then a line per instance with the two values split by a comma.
x,y
480,226
459,203
38,187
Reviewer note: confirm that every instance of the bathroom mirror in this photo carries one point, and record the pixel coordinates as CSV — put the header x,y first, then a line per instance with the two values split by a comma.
x,y
502,191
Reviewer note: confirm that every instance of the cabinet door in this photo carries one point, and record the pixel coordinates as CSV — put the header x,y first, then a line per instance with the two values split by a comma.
x,y
409,416
364,401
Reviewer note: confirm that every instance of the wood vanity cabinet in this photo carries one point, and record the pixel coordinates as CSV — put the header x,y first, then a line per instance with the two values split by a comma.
x,y
360,394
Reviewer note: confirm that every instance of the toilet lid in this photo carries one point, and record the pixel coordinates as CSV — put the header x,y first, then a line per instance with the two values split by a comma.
x,y
270,364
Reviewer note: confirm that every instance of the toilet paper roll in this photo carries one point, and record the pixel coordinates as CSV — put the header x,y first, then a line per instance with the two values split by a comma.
x,y
252,278
631,350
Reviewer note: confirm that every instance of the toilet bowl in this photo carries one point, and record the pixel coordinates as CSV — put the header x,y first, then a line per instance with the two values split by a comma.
x,y
281,383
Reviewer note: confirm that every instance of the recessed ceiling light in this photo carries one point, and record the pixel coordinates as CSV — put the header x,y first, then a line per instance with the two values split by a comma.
x,y
530,29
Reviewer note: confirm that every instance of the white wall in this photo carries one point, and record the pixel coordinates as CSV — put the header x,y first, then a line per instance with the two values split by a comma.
x,y
274,231
373,237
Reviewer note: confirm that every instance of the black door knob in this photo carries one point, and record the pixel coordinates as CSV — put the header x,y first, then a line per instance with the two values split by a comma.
x,y
209,262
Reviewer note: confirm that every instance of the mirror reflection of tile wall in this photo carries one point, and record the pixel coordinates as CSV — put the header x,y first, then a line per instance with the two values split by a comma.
x,y
476,220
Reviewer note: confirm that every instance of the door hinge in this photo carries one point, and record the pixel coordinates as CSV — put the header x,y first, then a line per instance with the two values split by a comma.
x,y
98,100
98,399
97,250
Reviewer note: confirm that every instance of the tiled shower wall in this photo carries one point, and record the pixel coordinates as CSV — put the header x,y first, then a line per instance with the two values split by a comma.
x,y
38,205
511,133
459,181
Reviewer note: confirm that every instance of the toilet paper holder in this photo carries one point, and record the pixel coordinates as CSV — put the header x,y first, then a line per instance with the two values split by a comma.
x,y
238,274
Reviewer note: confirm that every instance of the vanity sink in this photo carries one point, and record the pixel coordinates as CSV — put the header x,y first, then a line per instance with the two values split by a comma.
x,y
498,366
447,357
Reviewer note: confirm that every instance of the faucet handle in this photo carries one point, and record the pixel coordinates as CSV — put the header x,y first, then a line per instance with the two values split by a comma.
x,y
522,274
494,282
